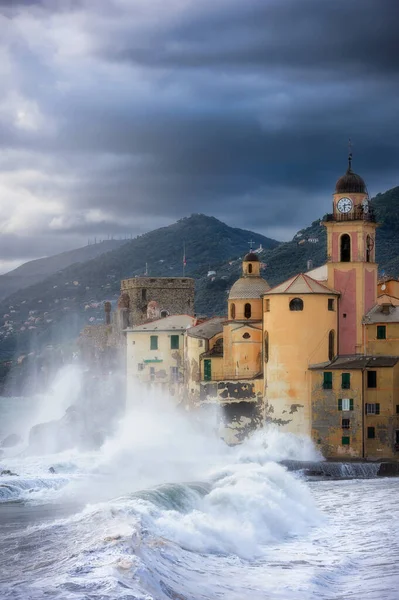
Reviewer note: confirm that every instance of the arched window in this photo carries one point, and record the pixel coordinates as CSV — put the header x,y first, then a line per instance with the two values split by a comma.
x,y
266,356
247,311
345,248
331,345
369,247
249,268
233,311
296,304
164,313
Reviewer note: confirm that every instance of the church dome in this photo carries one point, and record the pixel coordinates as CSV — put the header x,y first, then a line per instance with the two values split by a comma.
x,y
251,256
248,288
350,182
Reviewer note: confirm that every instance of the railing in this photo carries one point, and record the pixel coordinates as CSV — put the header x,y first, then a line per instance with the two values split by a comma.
x,y
231,376
357,214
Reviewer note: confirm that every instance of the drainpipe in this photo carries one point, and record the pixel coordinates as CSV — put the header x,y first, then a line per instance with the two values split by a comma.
x,y
363,413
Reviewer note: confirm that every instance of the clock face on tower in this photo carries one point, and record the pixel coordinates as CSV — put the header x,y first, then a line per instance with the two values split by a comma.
x,y
344,205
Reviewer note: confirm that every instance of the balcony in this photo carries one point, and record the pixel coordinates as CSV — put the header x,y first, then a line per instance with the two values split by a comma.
x,y
357,214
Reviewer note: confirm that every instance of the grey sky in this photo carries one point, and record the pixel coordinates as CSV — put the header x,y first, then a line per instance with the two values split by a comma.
x,y
120,116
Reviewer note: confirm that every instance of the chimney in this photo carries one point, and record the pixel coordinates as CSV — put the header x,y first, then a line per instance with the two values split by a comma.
x,y
310,264
385,308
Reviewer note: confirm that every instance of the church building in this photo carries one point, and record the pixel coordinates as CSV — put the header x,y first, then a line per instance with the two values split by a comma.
x,y
317,354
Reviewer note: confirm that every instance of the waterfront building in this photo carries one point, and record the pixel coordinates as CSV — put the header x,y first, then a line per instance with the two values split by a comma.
x,y
317,354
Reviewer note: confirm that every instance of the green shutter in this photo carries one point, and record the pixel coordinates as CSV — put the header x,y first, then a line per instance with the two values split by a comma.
x,y
345,440
346,381
381,332
174,342
207,369
351,404
377,409
327,380
340,404
153,342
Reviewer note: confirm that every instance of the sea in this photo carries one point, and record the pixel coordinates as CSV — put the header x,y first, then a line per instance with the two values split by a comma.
x,y
165,510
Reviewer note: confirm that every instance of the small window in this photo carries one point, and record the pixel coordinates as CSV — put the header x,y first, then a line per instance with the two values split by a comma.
x,y
346,423
174,373
331,304
346,440
372,408
152,373
331,345
247,311
327,380
371,379
174,342
381,332
250,268
233,311
397,436
200,343
140,367
246,336
345,381
266,346
144,295
345,404
296,304
397,409
371,433
345,248
267,305
153,342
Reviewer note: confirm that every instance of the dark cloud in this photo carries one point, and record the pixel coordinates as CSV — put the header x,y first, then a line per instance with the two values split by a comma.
x,y
122,117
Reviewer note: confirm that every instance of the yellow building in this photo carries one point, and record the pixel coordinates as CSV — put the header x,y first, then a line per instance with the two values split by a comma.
x,y
225,356
155,354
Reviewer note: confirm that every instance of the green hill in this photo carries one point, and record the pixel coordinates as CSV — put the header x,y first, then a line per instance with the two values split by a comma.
x,y
56,308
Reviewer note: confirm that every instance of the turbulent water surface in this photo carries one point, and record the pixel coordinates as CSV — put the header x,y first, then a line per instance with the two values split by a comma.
x,y
164,510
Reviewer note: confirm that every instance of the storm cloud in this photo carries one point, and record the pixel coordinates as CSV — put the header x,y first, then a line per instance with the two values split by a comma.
x,y
121,116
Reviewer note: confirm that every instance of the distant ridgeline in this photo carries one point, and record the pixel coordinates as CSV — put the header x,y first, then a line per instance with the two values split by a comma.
x,y
53,311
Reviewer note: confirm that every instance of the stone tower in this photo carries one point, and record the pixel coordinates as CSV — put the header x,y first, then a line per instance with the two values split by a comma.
x,y
148,298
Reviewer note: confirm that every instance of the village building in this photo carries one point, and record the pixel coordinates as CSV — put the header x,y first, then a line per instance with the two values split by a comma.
x,y
317,354
155,354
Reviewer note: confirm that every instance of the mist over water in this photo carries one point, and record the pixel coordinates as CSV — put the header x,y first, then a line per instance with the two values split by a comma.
x,y
157,506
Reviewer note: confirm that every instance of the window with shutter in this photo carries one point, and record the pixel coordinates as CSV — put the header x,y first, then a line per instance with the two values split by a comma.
x,y
153,342
371,379
345,381
174,342
340,404
345,440
327,380
346,405
381,332
371,433
345,423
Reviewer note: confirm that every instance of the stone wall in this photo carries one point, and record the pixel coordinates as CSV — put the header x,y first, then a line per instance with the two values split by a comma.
x,y
149,298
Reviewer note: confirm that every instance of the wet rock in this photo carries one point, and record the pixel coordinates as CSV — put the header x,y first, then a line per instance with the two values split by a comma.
x,y
11,440
7,472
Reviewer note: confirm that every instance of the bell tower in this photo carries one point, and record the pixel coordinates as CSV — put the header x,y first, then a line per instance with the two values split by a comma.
x,y
352,269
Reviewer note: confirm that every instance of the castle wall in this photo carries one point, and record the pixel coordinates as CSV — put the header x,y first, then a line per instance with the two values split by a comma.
x,y
174,295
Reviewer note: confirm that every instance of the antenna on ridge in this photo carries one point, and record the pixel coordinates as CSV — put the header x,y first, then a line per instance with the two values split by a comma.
x,y
349,154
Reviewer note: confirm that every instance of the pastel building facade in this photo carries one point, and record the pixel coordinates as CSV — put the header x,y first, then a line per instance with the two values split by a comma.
x,y
317,354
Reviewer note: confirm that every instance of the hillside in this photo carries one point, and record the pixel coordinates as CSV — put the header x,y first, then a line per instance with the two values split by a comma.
x,y
57,307
292,257
37,270
60,305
